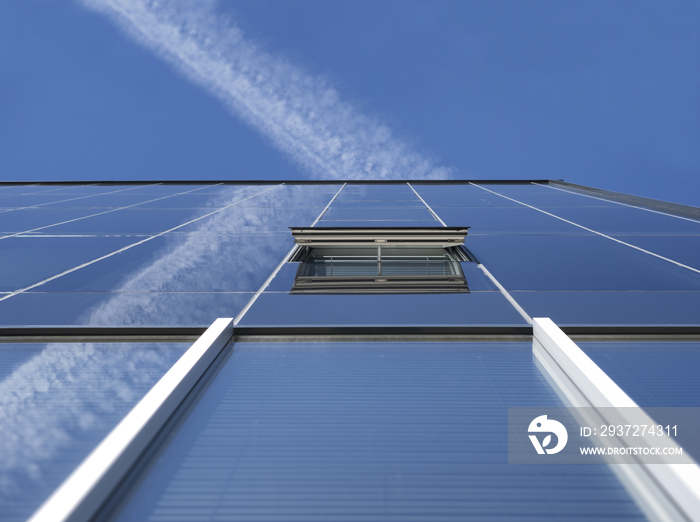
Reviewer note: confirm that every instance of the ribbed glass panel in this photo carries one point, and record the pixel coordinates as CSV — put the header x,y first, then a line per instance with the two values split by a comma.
x,y
57,402
366,431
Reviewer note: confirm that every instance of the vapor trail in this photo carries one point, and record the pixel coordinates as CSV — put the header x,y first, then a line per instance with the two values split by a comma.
x,y
301,115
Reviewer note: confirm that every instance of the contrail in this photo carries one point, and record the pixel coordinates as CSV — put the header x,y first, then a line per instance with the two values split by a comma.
x,y
301,115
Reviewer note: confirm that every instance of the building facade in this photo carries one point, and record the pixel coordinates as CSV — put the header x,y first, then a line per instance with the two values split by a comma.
x,y
365,378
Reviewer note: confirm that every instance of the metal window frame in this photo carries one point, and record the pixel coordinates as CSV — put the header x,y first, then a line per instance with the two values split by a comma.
x,y
447,238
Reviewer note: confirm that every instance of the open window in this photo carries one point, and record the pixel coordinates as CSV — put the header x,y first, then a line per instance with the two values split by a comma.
x,y
379,260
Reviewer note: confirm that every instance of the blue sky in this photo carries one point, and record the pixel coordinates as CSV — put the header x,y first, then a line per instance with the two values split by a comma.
x,y
605,93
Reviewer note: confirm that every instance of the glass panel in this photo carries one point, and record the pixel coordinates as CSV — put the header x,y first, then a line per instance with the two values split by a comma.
x,y
613,308
520,220
120,309
58,401
682,248
195,200
653,374
343,262
521,262
27,260
557,199
366,431
10,190
448,188
376,203
476,279
389,224
30,219
476,308
628,220
377,214
516,188
118,200
456,199
183,263
369,190
50,199
131,221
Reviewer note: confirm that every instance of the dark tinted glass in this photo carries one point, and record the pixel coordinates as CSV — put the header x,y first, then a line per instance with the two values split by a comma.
x,y
654,374
27,260
510,220
628,220
681,248
613,308
58,401
120,309
371,431
476,308
33,218
131,221
458,199
525,262
183,263
378,214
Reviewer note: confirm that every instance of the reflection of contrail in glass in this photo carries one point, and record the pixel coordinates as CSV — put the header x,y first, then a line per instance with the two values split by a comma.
x,y
68,397
57,406
301,115
206,258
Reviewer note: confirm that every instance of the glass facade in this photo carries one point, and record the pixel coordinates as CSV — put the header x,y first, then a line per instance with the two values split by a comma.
x,y
334,428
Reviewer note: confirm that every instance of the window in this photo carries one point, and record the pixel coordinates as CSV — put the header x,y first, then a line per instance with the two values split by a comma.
x,y
379,260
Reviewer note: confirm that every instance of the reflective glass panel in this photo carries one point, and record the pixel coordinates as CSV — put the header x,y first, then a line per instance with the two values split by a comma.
x,y
366,431
653,374
26,260
613,308
120,309
377,214
557,199
475,308
530,262
58,401
681,248
457,199
510,220
183,263
628,220
131,221
32,218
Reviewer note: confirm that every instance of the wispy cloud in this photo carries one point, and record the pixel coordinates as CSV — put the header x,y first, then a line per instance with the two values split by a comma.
x,y
301,115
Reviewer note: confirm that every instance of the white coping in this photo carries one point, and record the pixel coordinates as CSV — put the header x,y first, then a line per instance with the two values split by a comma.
x,y
90,484
664,491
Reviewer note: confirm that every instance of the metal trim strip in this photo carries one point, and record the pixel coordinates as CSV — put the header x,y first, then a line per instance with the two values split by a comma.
x,y
79,497
664,491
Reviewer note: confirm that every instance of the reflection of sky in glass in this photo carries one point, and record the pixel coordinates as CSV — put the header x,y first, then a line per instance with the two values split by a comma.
x,y
367,431
202,270
206,259
57,401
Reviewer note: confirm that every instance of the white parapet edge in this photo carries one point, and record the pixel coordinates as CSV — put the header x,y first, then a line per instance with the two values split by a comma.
x,y
79,496
664,491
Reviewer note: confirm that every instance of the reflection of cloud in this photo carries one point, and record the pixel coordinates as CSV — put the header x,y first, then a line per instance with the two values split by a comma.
x,y
209,259
68,397
301,115
58,405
